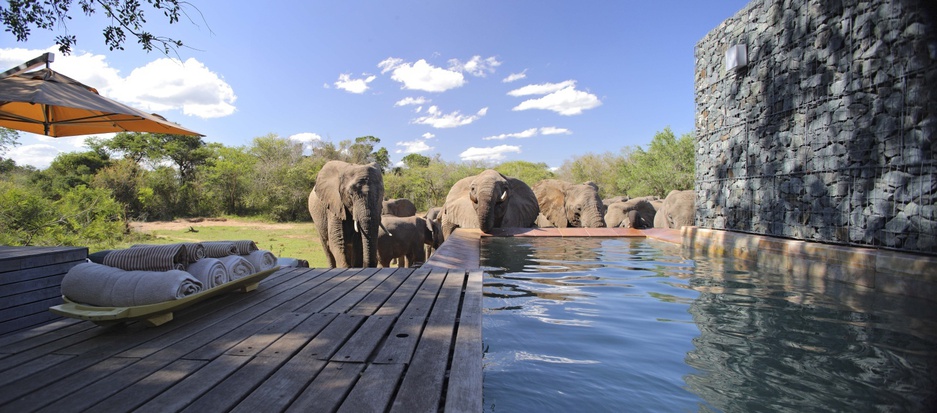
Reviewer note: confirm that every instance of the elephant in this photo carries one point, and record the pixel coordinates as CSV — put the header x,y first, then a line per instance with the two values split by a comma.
x,y
678,210
433,217
563,204
637,213
489,200
400,207
345,205
404,238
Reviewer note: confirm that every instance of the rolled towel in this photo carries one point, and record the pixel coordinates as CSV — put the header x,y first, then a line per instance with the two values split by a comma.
x,y
194,250
218,249
292,262
149,258
98,257
105,286
237,266
245,246
262,260
211,272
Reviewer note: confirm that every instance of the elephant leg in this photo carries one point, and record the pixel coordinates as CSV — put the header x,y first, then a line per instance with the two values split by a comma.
x,y
338,244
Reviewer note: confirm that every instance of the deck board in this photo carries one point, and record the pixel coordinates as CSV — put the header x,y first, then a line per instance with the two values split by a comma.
x,y
305,340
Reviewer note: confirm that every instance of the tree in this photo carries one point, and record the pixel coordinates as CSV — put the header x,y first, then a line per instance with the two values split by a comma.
x,y
415,160
599,168
69,170
127,17
137,146
668,164
529,172
8,139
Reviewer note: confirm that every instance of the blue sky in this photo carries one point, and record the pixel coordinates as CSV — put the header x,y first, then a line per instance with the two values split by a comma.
x,y
540,81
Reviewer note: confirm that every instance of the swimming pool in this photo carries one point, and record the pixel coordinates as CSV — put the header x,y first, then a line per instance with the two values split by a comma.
x,y
616,324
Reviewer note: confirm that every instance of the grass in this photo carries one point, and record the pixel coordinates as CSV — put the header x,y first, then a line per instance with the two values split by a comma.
x,y
299,241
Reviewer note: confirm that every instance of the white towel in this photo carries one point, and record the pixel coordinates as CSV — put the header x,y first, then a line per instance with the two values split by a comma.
x,y
210,271
262,260
105,286
237,266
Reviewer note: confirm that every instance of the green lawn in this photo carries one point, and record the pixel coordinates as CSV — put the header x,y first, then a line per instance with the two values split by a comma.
x,y
299,241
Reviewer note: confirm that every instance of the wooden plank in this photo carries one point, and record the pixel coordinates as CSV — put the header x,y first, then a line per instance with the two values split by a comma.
x,y
370,303
39,303
362,290
30,320
465,383
333,278
53,280
134,395
235,387
105,344
24,396
422,386
31,336
278,391
31,273
219,317
326,299
327,391
17,258
243,326
374,390
31,297
255,343
396,304
35,365
403,338
362,344
185,391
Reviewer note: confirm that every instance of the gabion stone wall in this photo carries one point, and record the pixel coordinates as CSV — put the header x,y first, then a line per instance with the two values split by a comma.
x,y
827,134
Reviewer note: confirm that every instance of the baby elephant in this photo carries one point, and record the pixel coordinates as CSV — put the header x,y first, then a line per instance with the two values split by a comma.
x,y
403,238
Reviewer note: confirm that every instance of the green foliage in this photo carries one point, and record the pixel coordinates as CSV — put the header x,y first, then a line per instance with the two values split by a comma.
x,y
529,172
227,178
599,168
668,164
123,179
8,139
415,160
69,170
426,186
83,216
125,17
280,178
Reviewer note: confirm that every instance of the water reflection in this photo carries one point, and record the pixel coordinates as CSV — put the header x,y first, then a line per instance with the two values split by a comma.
x,y
596,324
764,348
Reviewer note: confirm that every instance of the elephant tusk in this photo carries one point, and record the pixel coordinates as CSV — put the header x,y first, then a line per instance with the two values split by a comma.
x,y
381,224
504,195
356,226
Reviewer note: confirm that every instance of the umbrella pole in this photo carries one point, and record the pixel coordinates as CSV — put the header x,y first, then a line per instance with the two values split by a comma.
x,y
44,59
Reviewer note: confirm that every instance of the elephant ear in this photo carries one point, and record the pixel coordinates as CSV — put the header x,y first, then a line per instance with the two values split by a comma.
x,y
327,189
522,209
552,203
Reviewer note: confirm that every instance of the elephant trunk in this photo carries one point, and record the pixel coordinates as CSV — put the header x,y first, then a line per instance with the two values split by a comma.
x,y
367,223
487,207
592,218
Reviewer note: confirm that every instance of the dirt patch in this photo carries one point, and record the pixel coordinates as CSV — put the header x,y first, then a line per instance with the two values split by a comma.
x,y
180,224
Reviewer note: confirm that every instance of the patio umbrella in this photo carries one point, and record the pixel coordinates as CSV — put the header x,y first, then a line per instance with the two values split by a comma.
x,y
49,103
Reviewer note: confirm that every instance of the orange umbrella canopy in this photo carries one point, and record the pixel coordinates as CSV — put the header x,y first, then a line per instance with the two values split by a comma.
x,y
48,103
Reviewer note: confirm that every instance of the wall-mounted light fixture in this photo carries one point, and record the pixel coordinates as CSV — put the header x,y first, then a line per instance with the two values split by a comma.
x,y
736,57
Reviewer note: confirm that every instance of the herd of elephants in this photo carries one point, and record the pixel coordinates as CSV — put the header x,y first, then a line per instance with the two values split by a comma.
x,y
359,228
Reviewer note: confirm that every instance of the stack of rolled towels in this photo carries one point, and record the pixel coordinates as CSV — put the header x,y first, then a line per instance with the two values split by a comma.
x,y
150,274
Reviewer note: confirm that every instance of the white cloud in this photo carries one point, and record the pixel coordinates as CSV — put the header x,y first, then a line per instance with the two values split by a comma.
x,y
515,77
421,75
161,85
357,86
525,134
529,133
411,101
542,89
166,84
476,66
38,155
551,130
416,146
435,118
488,154
305,137
562,98
428,135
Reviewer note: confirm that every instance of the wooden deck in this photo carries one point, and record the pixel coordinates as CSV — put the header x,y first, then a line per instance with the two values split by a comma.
x,y
307,340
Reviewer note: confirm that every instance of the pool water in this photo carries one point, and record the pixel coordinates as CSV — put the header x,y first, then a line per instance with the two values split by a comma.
x,y
629,325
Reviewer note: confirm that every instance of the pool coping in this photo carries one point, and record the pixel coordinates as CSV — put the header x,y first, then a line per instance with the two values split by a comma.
x,y
887,271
